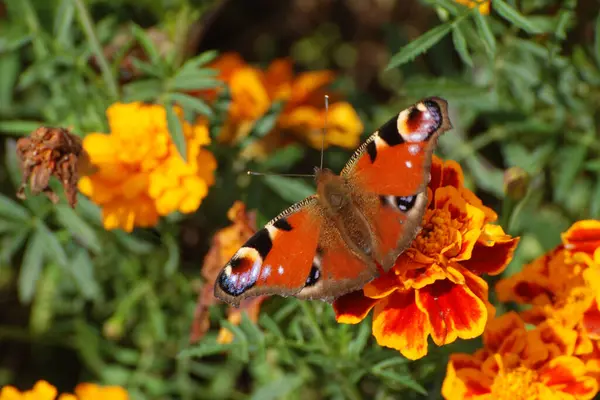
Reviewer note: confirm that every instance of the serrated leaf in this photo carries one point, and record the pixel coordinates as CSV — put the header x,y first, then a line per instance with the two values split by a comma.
x,y
147,68
176,132
77,226
460,45
515,17
419,45
486,34
191,103
290,189
12,210
31,267
82,270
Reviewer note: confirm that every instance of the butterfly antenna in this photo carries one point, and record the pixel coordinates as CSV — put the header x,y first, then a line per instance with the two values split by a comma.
x,y
324,130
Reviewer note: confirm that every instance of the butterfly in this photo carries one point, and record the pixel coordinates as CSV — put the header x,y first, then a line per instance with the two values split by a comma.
x,y
333,242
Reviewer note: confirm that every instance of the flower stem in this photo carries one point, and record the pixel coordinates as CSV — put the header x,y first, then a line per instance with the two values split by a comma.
x,y
88,28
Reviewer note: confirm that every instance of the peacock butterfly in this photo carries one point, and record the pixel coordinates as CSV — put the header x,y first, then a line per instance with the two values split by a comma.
x,y
332,243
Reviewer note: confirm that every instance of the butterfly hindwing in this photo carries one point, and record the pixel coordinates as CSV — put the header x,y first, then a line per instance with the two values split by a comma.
x,y
275,260
336,269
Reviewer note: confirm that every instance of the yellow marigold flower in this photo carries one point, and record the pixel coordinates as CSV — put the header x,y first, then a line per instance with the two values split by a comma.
x,y
253,92
140,174
484,5
435,288
42,390
517,364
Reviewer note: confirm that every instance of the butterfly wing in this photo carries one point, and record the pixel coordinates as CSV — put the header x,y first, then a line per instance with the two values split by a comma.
x,y
278,259
393,166
336,269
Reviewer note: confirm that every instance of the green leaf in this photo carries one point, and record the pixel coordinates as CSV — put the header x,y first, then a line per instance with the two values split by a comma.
x,y
144,90
266,123
290,189
460,45
173,255
419,45
486,34
63,19
82,270
147,44
202,59
77,226
569,163
515,17
284,157
597,40
12,243
176,131
595,199
206,348
31,267
403,380
12,210
18,128
52,247
191,103
147,68
192,82
278,388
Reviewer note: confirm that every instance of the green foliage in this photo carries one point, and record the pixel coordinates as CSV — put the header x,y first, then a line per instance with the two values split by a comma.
x,y
523,85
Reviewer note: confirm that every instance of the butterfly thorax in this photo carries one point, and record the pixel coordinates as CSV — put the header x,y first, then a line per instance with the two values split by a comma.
x,y
341,206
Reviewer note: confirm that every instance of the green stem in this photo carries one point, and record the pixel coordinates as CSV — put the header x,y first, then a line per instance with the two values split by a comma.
x,y
87,25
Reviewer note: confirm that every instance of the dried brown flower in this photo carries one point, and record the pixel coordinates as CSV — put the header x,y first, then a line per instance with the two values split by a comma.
x,y
51,151
224,244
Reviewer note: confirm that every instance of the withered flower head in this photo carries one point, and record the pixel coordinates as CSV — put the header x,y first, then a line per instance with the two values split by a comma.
x,y
51,151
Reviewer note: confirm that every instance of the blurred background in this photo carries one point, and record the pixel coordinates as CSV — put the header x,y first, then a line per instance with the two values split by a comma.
x,y
81,303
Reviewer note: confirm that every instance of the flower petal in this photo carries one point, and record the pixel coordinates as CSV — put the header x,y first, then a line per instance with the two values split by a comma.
x,y
492,252
591,321
499,328
464,381
453,311
382,286
567,374
398,323
583,236
352,307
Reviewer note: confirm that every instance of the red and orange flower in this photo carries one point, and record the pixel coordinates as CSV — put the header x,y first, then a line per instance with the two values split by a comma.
x,y
435,288
253,92
519,364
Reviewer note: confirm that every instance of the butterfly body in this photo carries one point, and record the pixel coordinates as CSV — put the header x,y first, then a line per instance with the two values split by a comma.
x,y
333,242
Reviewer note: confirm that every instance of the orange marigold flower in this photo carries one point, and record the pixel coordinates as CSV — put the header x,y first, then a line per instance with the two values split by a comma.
x,y
254,91
140,173
42,390
484,5
563,285
519,364
224,244
435,288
